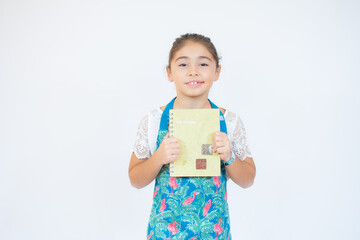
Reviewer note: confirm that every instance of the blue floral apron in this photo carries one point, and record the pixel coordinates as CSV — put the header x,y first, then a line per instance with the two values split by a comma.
x,y
188,207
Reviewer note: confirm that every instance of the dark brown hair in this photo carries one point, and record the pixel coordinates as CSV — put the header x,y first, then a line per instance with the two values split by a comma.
x,y
197,38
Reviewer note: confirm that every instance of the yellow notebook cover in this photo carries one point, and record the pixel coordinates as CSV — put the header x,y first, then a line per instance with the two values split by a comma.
x,y
194,129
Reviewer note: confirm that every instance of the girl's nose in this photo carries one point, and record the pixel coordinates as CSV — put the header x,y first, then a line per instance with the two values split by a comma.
x,y
193,71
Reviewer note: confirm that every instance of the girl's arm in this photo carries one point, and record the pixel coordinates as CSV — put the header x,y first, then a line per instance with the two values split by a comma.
x,y
241,172
144,171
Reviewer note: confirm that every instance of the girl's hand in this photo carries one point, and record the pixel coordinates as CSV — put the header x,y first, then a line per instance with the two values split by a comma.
x,y
221,145
168,150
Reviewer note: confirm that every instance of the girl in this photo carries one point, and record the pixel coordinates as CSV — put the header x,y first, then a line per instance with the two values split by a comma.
x,y
190,208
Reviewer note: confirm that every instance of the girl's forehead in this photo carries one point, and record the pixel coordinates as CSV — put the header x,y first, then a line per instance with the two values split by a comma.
x,y
193,49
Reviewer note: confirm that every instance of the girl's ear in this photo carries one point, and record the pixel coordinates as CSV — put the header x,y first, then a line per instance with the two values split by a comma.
x,y
169,75
217,73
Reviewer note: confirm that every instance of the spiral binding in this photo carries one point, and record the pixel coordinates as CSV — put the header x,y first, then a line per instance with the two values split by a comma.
x,y
171,134
171,127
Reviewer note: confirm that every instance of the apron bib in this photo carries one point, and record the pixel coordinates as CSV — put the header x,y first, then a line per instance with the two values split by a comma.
x,y
188,207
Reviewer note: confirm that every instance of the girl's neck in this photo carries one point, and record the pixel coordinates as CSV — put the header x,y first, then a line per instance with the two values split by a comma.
x,y
191,103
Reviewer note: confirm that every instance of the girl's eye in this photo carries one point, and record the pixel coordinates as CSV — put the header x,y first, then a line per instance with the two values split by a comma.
x,y
182,65
204,64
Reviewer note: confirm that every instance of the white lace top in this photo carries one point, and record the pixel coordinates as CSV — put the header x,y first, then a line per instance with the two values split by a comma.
x,y
145,143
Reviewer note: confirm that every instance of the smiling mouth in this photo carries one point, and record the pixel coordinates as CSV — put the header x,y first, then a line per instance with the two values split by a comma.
x,y
194,83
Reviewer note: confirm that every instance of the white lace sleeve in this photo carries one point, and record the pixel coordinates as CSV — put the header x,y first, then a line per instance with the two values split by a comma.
x,y
141,147
239,145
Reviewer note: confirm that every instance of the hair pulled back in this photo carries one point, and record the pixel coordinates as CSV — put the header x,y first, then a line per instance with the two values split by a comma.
x,y
197,38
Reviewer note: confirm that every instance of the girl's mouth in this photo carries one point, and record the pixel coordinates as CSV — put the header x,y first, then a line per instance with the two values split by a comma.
x,y
194,83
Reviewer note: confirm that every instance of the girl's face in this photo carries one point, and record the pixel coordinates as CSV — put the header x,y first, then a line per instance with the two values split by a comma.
x,y
193,70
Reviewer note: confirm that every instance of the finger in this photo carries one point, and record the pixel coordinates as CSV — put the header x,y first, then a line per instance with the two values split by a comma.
x,y
213,145
221,150
174,146
221,137
220,143
219,134
172,152
175,152
174,157
171,140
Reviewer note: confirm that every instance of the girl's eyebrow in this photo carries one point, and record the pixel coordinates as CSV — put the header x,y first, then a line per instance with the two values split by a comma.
x,y
200,57
206,58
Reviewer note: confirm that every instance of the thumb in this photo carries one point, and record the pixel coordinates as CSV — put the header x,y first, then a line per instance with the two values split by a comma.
x,y
214,143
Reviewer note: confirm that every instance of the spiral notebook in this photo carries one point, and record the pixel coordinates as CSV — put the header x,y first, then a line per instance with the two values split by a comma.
x,y
194,129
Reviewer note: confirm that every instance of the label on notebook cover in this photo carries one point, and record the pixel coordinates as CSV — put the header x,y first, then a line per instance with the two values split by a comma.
x,y
194,129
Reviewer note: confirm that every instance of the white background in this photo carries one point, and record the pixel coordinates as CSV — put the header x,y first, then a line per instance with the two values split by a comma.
x,y
76,77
